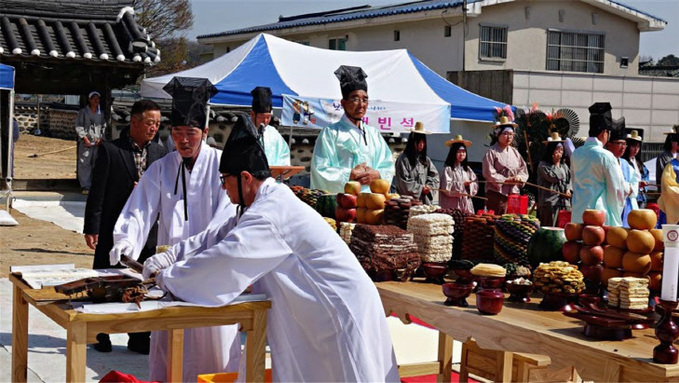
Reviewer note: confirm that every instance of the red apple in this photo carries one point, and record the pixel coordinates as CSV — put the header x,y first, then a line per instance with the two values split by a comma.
x,y
347,201
352,187
591,255
593,235
594,217
592,273
345,215
573,231
571,252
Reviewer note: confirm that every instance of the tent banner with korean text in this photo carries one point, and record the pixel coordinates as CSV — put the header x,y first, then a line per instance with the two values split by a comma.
x,y
309,112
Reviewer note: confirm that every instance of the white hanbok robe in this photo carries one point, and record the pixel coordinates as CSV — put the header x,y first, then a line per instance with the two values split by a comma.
x,y
207,349
326,322
340,147
276,149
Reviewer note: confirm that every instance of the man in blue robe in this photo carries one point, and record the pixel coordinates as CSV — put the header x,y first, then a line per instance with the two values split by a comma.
x,y
350,150
596,174
276,149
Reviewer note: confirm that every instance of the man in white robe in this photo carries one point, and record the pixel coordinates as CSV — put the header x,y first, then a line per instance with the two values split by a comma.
x,y
184,188
350,150
326,322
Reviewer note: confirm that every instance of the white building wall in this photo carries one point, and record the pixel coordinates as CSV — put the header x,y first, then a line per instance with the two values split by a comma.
x,y
528,22
650,103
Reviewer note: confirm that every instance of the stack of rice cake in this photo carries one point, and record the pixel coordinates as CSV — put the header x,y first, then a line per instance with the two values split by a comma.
x,y
397,211
345,231
385,249
432,233
422,209
628,293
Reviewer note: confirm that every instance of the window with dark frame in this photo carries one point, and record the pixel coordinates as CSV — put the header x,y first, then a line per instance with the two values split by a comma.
x,y
447,31
397,35
337,44
493,42
575,52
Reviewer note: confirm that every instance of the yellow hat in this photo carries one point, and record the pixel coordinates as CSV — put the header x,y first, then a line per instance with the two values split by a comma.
x,y
457,139
553,138
634,135
419,128
504,121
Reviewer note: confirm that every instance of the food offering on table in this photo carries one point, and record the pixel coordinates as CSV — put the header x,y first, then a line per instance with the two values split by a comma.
x,y
477,242
371,205
309,196
628,293
458,290
635,252
397,211
519,289
346,207
386,252
462,268
515,271
546,245
511,237
416,210
585,246
459,219
432,234
560,282
489,275
345,231
489,297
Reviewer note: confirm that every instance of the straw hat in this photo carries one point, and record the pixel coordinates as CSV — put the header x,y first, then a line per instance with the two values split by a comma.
x,y
504,121
419,128
634,135
673,130
553,138
457,139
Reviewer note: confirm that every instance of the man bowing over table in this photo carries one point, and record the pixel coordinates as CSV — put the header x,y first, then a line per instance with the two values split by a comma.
x,y
326,321
184,188
350,150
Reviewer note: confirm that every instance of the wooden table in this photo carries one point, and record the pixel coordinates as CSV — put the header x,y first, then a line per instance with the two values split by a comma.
x,y
82,328
525,328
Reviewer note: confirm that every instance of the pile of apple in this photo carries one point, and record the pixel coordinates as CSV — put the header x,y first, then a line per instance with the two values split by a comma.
x,y
363,207
585,242
635,252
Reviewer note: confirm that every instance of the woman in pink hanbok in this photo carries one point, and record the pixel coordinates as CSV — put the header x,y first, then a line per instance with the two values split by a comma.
x,y
458,180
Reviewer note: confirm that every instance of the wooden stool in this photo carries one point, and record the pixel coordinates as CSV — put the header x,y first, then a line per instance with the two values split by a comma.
x,y
498,366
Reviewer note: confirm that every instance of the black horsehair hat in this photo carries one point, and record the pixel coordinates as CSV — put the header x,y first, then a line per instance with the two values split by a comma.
x,y
261,99
351,78
242,150
190,97
600,118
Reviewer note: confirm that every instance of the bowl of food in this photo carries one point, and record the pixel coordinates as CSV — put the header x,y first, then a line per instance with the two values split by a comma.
x,y
462,268
488,275
519,290
457,293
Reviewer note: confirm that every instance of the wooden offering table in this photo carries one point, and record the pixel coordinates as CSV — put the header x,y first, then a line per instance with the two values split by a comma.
x,y
524,328
82,328
282,173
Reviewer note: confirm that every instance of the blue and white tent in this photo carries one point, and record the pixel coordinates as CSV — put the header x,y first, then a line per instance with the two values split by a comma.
x,y
396,79
7,115
6,77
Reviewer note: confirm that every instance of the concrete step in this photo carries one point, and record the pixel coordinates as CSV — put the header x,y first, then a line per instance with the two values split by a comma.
x,y
64,184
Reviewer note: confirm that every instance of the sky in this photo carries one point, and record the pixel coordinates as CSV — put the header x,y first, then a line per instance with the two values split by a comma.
x,y
214,16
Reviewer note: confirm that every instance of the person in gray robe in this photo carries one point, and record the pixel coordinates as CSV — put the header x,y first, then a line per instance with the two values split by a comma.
x,y
416,175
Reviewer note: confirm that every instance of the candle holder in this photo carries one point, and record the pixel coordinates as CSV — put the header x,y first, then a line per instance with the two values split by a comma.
x,y
666,331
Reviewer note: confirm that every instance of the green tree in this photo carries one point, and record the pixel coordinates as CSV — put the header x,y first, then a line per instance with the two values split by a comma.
x,y
669,60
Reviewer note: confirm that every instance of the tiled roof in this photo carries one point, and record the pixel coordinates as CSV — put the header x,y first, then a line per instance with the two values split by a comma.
x,y
659,71
369,12
97,30
346,14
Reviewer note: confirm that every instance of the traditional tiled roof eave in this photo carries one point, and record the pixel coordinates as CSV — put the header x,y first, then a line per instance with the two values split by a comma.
x,y
38,33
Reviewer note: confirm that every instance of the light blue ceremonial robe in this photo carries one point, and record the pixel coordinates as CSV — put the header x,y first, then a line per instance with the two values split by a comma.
x,y
340,147
597,182
276,149
631,178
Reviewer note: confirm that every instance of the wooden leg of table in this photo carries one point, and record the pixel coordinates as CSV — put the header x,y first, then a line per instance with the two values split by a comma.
x,y
445,356
255,350
504,366
19,336
76,351
175,354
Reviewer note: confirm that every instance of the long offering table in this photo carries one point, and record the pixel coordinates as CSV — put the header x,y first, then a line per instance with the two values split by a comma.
x,y
527,329
81,328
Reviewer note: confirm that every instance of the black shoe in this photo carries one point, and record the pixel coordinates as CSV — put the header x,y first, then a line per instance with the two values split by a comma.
x,y
139,342
103,343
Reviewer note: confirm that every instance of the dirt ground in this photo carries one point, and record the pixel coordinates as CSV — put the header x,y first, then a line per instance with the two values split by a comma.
x,y
36,242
